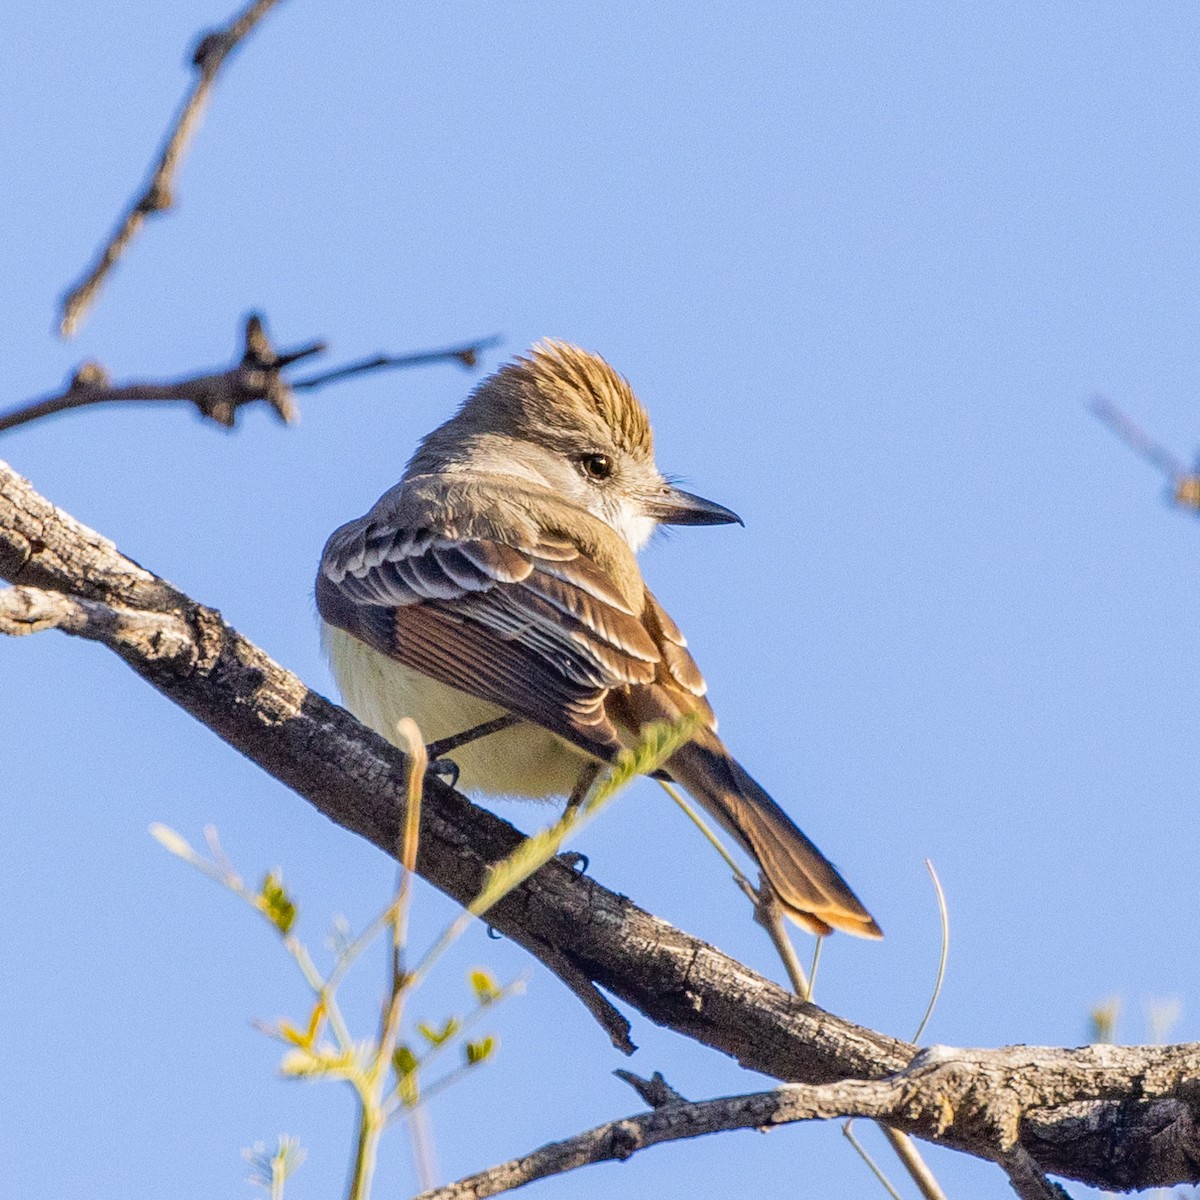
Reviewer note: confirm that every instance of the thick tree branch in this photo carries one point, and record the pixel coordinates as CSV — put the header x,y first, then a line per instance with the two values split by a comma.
x,y
212,50
1110,1116
941,1096
357,780
257,376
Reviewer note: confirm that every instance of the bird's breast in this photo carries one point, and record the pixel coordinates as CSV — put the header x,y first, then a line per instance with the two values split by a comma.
x,y
525,761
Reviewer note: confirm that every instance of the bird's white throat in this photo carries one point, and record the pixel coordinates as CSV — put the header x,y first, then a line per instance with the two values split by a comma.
x,y
628,519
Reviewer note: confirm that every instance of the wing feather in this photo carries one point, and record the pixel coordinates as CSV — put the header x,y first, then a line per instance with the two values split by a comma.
x,y
533,625
505,564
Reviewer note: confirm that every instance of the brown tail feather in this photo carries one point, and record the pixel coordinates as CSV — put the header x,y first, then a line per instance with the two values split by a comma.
x,y
808,885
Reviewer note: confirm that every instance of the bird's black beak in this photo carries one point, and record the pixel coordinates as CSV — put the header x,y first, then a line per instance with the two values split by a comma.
x,y
673,506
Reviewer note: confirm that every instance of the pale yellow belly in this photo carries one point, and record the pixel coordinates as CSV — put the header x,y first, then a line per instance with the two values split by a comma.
x,y
525,761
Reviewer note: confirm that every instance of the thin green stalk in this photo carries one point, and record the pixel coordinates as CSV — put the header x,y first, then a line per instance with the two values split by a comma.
x,y
658,742
903,1145
712,838
321,989
414,747
428,1093
766,909
221,871
372,1106
401,983
392,1106
421,1144
365,1153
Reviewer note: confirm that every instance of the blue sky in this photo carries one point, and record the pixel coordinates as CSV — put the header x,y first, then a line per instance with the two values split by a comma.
x,y
865,266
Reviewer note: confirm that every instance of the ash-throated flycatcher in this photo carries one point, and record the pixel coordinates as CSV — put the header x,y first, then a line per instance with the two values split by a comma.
x,y
494,591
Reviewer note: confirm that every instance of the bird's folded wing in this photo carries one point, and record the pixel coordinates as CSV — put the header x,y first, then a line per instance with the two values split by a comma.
x,y
535,627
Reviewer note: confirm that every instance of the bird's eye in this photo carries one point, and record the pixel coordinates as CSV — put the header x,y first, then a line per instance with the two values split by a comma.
x,y
596,466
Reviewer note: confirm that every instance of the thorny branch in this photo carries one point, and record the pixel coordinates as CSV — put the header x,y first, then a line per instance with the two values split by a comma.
x,y
212,50
219,395
1115,1117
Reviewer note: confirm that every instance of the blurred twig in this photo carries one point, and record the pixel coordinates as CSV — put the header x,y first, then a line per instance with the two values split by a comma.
x,y
212,49
1185,483
218,395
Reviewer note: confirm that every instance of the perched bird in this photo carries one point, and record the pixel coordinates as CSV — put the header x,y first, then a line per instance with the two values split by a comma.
x,y
493,595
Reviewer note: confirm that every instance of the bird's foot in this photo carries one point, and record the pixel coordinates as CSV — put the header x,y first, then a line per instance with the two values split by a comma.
x,y
575,860
444,769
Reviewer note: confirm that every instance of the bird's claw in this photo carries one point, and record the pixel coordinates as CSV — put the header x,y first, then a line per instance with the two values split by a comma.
x,y
575,860
445,769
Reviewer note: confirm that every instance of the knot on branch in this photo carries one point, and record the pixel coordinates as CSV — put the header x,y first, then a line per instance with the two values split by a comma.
x,y
157,198
90,375
211,50
624,1140
257,377
944,1091
25,610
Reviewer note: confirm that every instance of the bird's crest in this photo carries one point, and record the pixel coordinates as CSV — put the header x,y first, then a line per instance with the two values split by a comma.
x,y
565,375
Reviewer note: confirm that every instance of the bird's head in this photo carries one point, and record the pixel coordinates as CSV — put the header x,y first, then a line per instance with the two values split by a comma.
x,y
563,418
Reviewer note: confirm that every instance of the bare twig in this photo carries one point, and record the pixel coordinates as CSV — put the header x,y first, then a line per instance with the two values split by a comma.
x,y
466,354
767,910
943,953
868,1158
769,914
605,1013
212,50
219,395
1137,439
